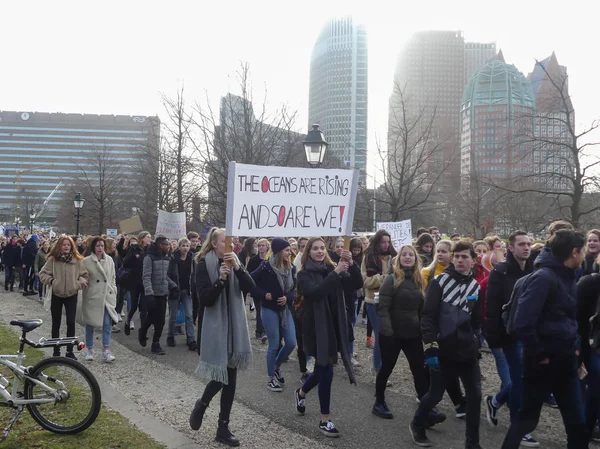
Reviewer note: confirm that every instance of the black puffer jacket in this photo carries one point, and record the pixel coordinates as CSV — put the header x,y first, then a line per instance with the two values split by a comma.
x,y
29,252
400,308
134,261
588,291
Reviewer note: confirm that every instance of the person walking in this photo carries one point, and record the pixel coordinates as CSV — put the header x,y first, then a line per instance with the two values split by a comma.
x,y
424,246
321,285
134,262
450,325
545,319
40,260
11,257
28,260
157,286
180,270
65,273
99,298
375,267
400,307
225,346
275,281
263,246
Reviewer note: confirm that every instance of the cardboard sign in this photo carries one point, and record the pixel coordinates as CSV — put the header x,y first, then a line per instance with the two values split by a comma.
x,y
111,233
171,224
284,201
131,225
400,232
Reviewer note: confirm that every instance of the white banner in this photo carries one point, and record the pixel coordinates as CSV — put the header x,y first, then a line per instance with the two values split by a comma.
x,y
171,224
285,202
400,232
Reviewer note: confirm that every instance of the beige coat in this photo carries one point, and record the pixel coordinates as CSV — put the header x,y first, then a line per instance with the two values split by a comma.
x,y
101,292
63,277
372,283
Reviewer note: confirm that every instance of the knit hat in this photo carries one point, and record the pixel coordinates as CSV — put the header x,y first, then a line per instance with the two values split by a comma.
x,y
278,245
35,238
159,238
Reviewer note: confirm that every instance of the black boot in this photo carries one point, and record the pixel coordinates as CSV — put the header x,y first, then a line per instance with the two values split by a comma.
x,y
198,414
225,436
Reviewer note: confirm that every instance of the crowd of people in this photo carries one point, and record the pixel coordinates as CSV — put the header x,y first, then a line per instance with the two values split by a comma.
x,y
439,301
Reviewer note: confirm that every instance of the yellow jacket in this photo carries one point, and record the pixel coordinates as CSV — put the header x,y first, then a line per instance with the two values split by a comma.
x,y
439,269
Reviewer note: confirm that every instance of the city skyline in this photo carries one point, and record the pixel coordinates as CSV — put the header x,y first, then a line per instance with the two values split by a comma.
x,y
123,72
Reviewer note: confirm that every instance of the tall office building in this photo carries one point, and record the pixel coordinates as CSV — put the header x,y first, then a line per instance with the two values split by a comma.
x,y
38,150
339,91
497,111
430,72
476,56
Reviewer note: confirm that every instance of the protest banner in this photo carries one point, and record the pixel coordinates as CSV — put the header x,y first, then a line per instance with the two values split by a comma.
x,y
284,201
111,232
171,224
400,232
131,225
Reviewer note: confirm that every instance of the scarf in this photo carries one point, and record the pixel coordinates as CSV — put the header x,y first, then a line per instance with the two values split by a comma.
x,y
225,342
286,282
319,267
66,258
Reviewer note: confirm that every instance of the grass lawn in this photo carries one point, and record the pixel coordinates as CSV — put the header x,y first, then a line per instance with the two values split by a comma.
x,y
109,431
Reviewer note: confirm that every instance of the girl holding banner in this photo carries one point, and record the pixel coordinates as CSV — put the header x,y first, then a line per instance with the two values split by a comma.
x,y
321,285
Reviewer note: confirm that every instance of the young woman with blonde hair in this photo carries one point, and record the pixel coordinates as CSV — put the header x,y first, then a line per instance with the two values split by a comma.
x,y
65,273
440,262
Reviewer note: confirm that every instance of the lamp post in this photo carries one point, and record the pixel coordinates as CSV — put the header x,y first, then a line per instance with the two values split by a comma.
x,y
31,220
315,146
78,203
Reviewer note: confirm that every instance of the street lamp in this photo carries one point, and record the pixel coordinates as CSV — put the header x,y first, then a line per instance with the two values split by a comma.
x,y
315,146
31,220
78,202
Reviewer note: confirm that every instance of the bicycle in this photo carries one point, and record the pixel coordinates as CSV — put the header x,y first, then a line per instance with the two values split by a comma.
x,y
61,394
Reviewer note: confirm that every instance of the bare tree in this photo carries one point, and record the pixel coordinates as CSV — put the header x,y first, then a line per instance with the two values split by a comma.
x,y
565,167
414,162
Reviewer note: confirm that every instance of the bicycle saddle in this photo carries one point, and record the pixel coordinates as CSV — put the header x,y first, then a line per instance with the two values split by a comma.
x,y
27,325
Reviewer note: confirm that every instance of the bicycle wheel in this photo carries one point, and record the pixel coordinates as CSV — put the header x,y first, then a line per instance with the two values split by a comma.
x,y
80,400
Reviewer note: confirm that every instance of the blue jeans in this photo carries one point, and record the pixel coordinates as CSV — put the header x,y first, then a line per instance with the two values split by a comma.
x,y
504,374
375,324
273,326
592,399
106,330
186,299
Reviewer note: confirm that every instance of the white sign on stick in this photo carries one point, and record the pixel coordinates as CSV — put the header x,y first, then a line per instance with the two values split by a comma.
x,y
111,232
284,201
171,224
400,232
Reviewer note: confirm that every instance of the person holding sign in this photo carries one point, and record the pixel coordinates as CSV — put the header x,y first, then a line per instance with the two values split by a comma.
x,y
221,283
321,285
275,280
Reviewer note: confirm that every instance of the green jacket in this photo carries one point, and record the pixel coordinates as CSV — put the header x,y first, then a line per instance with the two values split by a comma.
x,y
40,260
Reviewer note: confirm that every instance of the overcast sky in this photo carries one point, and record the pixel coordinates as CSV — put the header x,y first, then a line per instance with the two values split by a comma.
x,y
116,57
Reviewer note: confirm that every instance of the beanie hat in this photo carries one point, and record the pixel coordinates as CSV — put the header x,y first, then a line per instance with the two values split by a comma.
x,y
278,245
159,238
35,238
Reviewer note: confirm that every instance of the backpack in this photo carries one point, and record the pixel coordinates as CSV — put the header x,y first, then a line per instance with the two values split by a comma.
x,y
509,309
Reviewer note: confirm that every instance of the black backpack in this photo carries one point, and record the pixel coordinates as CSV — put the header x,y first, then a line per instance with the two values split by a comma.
x,y
509,309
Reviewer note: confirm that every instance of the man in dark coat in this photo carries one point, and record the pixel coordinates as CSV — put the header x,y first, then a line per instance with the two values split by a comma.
x,y
12,261
28,260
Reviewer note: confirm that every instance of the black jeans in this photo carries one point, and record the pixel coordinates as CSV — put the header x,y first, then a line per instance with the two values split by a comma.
x,y
155,317
29,277
390,350
559,377
136,297
260,328
9,277
469,373
299,342
323,376
213,387
56,306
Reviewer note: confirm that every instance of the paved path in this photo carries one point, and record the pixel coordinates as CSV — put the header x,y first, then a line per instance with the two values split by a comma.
x,y
157,393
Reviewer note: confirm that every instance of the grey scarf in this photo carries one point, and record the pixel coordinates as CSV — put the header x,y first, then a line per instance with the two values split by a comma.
x,y
286,282
225,342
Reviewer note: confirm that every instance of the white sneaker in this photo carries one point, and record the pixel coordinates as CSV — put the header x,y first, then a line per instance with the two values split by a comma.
x,y
90,355
355,363
131,325
108,356
119,318
122,314
310,366
364,321
115,329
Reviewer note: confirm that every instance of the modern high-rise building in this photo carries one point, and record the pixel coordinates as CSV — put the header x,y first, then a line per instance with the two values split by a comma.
x,y
38,150
476,55
554,111
497,113
430,74
338,95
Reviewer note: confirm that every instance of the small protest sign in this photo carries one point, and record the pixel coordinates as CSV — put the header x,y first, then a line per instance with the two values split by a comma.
x,y
171,224
111,233
131,225
400,232
284,201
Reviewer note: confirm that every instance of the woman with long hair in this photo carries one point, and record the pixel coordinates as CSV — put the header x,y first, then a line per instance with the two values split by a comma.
x,y
375,267
248,251
321,285
40,260
275,280
442,259
224,344
134,262
99,298
592,251
65,273
401,299
263,247
424,247
353,304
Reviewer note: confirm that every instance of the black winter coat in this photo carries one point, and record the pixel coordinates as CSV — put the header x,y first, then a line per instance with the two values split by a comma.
x,y
11,257
266,281
134,261
501,284
29,252
400,308
324,318
588,291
